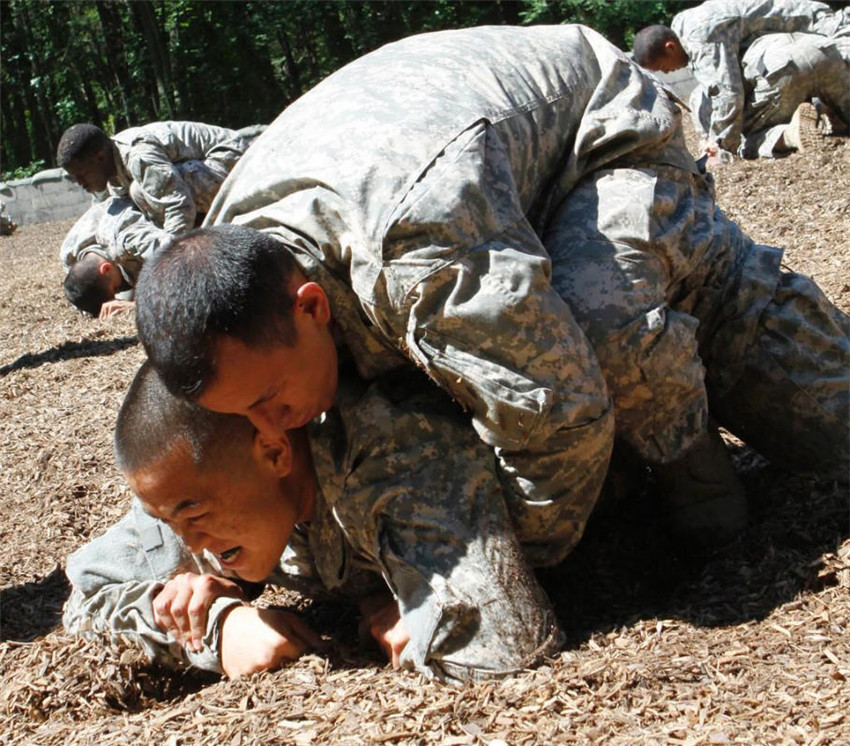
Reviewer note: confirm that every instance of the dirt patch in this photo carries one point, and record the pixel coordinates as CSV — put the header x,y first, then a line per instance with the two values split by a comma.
x,y
750,648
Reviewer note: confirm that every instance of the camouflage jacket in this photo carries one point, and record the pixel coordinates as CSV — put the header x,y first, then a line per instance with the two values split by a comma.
x,y
147,160
116,230
715,35
413,184
409,500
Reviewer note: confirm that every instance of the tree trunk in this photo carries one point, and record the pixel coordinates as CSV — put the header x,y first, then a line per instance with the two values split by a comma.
x,y
293,76
44,141
145,15
114,60
13,124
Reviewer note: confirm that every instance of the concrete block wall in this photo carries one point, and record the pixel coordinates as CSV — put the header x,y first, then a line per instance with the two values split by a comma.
x,y
47,196
681,81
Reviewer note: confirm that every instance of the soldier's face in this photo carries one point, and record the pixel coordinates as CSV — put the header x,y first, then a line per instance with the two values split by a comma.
x,y
240,511
93,173
282,387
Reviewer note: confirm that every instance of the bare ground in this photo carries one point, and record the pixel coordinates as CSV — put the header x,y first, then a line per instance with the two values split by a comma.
x,y
752,647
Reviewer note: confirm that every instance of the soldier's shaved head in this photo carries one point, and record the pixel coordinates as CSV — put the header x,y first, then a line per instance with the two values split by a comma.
x,y
152,423
658,48
79,143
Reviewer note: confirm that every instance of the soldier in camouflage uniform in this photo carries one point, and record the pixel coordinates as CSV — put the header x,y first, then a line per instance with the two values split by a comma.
x,y
103,254
171,170
394,498
783,72
715,35
442,197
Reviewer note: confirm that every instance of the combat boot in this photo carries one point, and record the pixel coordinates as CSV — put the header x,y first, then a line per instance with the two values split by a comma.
x,y
806,130
702,500
829,122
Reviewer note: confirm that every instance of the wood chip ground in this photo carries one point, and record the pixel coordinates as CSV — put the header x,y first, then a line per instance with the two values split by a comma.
x,y
752,647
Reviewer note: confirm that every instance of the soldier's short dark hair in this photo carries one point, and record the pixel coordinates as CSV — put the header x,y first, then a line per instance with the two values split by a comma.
x,y
79,143
649,43
209,282
85,287
152,423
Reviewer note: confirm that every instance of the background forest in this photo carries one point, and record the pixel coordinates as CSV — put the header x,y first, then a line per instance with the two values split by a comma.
x,y
120,63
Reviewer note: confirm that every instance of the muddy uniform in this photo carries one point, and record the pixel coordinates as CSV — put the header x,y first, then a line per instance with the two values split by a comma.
x,y
173,170
716,33
415,184
116,230
409,499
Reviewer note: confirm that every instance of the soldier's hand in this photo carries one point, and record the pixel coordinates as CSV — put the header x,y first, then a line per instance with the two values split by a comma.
x,y
115,308
382,620
181,607
255,639
708,147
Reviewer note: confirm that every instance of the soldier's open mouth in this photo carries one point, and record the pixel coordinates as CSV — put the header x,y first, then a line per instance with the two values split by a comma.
x,y
228,555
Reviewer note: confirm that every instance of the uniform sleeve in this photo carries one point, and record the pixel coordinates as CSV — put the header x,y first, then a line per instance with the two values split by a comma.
x,y
116,577
439,531
479,315
161,189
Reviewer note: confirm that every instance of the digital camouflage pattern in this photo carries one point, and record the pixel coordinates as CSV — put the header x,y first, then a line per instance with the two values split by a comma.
x,y
116,230
688,315
409,499
715,35
414,186
172,170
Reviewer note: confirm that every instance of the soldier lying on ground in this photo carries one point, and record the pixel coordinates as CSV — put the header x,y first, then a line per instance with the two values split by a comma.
x,y
103,254
714,36
390,501
514,211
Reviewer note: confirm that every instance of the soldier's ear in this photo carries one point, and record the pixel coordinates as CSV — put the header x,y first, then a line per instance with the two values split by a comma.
x,y
311,299
273,453
104,267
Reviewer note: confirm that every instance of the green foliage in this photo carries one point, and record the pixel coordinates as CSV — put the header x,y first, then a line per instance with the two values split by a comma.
x,y
23,172
617,20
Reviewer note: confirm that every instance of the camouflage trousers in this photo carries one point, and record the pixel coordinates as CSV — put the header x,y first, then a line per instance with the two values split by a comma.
x,y
687,314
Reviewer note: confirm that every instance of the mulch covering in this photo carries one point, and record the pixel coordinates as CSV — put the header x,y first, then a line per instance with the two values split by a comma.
x,y
751,647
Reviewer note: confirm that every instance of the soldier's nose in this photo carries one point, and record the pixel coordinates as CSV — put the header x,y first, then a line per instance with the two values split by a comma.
x,y
196,540
271,419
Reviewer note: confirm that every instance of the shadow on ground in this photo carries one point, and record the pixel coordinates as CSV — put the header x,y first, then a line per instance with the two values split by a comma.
x,y
626,570
69,351
33,609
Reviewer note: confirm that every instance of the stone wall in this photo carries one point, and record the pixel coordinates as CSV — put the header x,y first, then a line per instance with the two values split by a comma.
x,y
47,196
